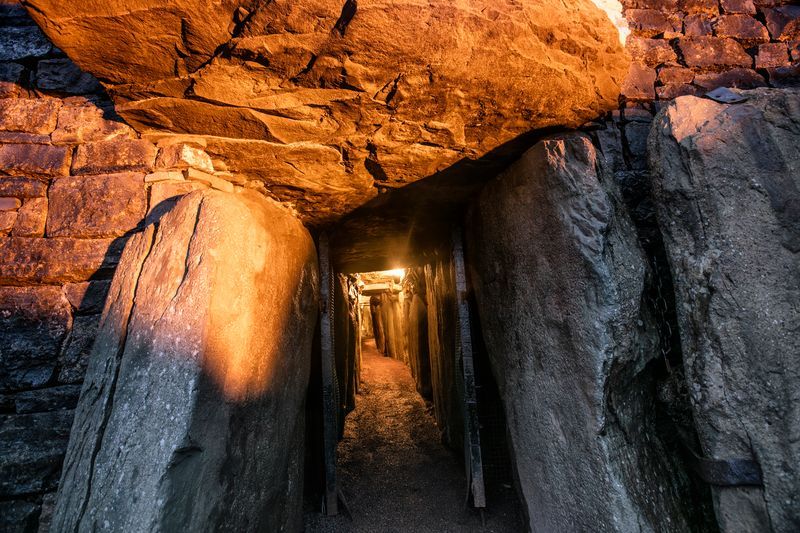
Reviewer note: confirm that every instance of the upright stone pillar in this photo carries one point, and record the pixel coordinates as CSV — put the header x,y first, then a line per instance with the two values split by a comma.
x,y
559,278
727,188
191,415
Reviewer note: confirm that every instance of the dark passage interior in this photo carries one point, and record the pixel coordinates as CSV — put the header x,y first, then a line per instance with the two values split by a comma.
x,y
402,458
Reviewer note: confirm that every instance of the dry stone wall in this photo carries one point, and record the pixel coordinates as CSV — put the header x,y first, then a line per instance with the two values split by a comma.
x,y
689,47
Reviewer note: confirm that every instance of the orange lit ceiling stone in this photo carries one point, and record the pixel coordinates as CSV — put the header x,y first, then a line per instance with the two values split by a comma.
x,y
324,101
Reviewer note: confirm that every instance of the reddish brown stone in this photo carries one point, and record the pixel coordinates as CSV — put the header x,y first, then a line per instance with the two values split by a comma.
x,y
34,159
661,5
777,18
742,28
794,50
34,260
20,137
651,52
96,206
707,52
677,75
9,203
114,156
86,123
692,7
31,218
772,55
87,297
36,116
639,83
7,219
740,78
22,187
738,6
647,22
791,32
698,25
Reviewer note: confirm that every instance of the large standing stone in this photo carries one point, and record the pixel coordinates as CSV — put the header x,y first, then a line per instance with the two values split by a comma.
x,y
191,415
384,93
559,278
727,184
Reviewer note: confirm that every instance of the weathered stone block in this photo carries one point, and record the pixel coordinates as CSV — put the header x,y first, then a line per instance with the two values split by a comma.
x,y
18,516
31,218
34,446
34,260
22,187
558,279
214,403
114,156
728,199
33,323
164,175
746,7
7,220
86,123
87,297
698,25
692,7
22,43
639,83
47,399
96,206
74,357
741,78
784,76
182,156
64,76
713,51
772,55
34,159
9,203
675,75
743,28
37,116
651,52
647,22
778,17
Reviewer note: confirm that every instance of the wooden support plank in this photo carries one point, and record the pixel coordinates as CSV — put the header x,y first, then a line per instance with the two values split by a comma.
x,y
472,437
329,407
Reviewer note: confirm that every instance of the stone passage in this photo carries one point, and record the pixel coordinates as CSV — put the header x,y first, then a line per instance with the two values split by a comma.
x,y
395,473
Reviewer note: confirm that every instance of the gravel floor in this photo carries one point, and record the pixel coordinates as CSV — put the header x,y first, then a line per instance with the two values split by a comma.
x,y
395,473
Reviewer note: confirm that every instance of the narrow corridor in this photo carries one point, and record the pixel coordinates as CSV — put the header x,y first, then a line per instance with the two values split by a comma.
x,y
394,471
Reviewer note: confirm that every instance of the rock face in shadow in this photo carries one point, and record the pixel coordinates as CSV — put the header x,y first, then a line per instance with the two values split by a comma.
x,y
727,185
559,277
325,100
191,414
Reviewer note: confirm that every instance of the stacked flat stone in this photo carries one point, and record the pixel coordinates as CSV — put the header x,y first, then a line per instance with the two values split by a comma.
x,y
690,47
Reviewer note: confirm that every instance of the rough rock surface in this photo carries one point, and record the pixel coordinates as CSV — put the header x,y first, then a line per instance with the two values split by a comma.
x,y
727,183
340,97
559,277
191,415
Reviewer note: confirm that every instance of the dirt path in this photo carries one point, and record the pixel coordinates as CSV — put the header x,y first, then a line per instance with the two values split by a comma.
x,y
395,473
